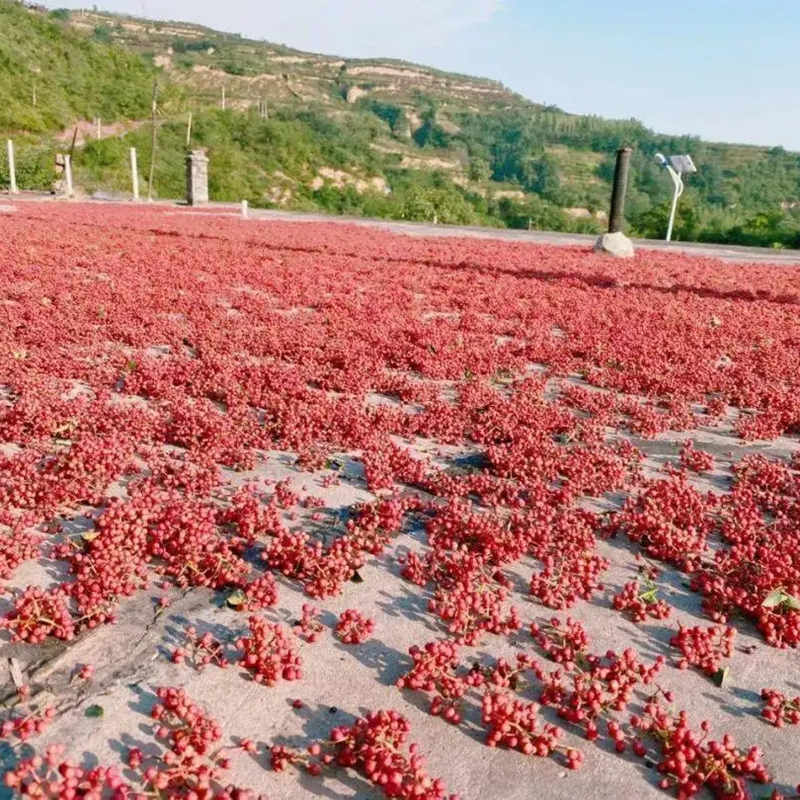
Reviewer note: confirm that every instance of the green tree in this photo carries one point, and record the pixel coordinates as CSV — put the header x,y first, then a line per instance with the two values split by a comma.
x,y
534,211
418,204
102,33
430,133
479,169
542,176
653,223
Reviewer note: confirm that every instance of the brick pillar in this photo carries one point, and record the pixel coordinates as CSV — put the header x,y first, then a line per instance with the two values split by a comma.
x,y
196,178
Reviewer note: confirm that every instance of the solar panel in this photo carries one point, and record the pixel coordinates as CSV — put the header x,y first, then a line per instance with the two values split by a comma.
x,y
682,164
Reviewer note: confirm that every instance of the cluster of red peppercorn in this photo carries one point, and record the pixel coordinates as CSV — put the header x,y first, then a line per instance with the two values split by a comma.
x,y
641,602
690,762
756,574
269,652
308,627
25,718
38,614
671,520
471,597
193,764
373,746
694,459
565,643
435,672
780,710
52,777
19,542
703,647
353,627
200,651
187,767
583,696
515,724
262,592
586,689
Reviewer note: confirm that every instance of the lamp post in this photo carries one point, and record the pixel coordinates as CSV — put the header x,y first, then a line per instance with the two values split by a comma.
x,y
676,166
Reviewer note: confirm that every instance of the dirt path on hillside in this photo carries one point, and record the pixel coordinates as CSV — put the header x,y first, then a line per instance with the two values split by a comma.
x,y
87,130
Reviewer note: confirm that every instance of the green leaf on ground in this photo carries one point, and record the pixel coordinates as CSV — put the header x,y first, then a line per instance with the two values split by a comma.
x,y
780,598
722,677
236,599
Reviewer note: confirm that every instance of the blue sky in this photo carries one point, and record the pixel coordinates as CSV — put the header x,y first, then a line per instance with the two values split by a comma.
x,y
728,70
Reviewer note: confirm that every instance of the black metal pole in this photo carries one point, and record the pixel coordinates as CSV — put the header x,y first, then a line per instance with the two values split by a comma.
x,y
616,219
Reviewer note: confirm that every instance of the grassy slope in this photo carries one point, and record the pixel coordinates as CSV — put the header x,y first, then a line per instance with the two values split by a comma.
x,y
72,76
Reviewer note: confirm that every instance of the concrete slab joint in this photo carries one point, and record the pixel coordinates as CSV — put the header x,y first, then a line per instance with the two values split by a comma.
x,y
196,177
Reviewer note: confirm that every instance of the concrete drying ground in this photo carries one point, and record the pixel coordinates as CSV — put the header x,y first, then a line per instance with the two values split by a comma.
x,y
340,681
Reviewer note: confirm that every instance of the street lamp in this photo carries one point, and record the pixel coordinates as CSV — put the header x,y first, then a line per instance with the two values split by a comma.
x,y
677,166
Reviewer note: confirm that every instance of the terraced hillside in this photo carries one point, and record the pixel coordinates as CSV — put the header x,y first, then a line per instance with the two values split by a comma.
x,y
205,60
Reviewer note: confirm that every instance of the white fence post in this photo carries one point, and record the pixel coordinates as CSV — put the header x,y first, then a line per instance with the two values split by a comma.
x,y
12,173
68,173
134,174
244,209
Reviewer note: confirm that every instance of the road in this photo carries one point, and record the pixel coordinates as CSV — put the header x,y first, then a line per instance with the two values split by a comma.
x,y
733,253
